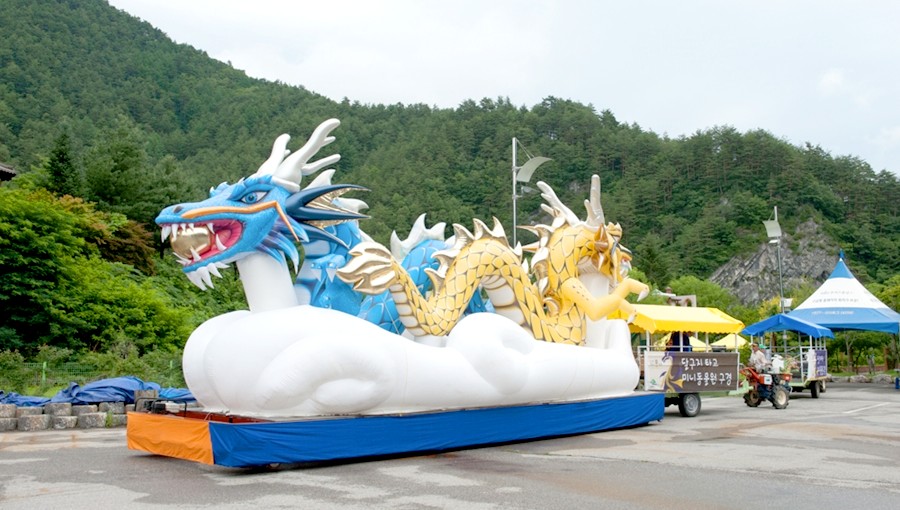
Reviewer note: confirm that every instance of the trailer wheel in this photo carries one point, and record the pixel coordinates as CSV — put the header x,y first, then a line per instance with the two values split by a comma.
x,y
780,398
821,386
814,389
689,405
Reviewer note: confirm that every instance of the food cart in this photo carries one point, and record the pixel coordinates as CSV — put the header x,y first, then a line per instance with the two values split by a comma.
x,y
685,371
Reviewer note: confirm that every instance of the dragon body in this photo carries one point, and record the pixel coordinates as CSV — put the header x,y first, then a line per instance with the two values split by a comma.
x,y
316,283
417,255
554,309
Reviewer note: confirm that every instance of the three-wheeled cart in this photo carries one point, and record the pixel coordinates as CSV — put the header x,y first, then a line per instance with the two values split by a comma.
x,y
685,370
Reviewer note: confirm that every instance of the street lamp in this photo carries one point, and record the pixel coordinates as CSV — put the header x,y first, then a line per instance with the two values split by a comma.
x,y
773,231
522,174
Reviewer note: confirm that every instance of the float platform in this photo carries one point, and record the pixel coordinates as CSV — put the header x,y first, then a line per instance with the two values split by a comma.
x,y
236,441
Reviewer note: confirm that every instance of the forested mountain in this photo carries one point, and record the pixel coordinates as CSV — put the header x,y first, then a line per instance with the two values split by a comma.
x,y
148,122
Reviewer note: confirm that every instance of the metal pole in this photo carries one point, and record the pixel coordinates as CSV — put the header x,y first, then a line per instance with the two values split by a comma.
x,y
514,191
780,278
780,286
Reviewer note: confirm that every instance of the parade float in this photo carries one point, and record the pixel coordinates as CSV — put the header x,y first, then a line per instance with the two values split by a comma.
x,y
431,345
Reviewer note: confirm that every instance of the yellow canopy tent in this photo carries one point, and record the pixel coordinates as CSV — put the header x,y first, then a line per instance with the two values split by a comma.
x,y
731,342
663,318
696,344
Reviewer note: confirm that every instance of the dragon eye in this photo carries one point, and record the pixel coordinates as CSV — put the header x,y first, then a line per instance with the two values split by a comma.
x,y
254,197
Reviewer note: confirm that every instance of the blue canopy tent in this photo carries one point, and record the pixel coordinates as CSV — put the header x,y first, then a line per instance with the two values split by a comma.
x,y
812,359
843,303
784,322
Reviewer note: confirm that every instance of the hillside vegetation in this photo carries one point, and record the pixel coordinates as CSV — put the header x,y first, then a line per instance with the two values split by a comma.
x,y
100,106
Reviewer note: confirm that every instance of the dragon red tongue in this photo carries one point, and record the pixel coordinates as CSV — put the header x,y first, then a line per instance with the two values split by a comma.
x,y
197,238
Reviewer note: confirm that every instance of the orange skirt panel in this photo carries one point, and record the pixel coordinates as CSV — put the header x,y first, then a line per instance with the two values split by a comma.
x,y
170,436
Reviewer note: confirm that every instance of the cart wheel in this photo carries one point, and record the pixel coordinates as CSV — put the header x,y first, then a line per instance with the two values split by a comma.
x,y
751,398
780,398
821,386
689,405
814,389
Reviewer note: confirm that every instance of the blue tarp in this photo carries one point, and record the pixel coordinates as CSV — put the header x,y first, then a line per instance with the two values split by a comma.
x,y
784,322
117,389
255,444
21,400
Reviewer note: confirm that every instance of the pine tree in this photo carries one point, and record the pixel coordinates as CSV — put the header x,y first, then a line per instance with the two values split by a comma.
x,y
65,177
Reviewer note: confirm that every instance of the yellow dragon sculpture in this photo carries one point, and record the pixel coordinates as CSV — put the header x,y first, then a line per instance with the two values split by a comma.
x,y
554,309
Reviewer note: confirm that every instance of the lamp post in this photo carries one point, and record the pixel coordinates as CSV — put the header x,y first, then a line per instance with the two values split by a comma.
x,y
522,174
773,231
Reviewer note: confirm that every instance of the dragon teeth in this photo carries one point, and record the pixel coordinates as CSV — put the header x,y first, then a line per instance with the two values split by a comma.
x,y
202,276
213,270
207,278
196,279
219,244
166,231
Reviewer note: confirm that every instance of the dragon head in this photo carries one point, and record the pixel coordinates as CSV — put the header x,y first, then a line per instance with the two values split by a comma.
x,y
602,250
611,258
266,212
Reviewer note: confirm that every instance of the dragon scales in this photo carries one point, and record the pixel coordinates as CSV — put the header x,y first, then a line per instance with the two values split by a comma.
x,y
555,309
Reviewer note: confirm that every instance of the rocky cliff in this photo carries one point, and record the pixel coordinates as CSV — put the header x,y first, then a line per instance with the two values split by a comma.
x,y
807,256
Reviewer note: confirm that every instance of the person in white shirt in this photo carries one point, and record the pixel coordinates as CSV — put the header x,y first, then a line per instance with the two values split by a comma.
x,y
758,358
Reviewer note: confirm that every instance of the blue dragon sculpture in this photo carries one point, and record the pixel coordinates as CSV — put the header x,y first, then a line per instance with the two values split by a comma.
x,y
265,213
269,213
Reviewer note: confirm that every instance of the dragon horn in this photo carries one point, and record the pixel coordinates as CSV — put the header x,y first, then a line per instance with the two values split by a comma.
x,y
288,171
596,218
279,152
559,209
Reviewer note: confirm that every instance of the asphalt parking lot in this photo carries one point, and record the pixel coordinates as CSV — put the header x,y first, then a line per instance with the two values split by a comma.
x,y
841,450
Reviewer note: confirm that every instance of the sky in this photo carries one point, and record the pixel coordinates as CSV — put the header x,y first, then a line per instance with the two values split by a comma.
x,y
824,72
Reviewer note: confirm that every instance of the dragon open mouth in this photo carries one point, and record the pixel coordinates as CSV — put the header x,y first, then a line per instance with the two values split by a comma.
x,y
192,242
195,244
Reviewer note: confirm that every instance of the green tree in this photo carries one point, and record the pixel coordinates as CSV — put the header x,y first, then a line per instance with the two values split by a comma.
x,y
114,170
38,240
64,177
56,290
711,295
654,261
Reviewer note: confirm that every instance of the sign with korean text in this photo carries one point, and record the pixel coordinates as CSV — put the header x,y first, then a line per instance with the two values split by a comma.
x,y
815,363
690,372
